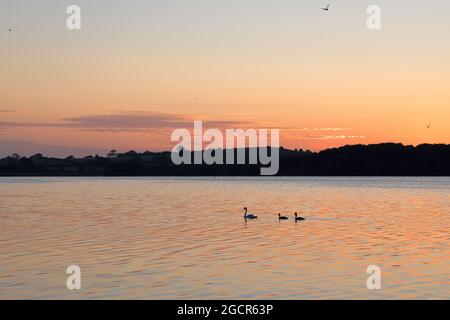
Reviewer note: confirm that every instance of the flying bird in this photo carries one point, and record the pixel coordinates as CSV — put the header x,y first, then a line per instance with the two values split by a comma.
x,y
326,8
429,126
10,30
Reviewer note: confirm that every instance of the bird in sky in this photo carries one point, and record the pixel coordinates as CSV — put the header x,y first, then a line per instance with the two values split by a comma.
x,y
429,126
326,8
10,30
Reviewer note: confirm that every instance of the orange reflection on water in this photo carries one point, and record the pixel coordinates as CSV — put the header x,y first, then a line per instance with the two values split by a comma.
x,y
155,238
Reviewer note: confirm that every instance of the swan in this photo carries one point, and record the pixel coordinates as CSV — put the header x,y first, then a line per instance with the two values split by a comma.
x,y
297,218
280,217
249,216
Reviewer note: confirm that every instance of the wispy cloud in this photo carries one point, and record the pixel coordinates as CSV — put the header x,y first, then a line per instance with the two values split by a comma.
x,y
138,120
317,129
334,137
6,111
131,121
158,123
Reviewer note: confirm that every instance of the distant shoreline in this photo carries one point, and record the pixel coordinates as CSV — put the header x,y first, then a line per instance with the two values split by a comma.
x,y
383,160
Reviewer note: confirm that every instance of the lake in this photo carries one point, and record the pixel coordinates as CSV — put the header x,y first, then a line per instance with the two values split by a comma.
x,y
185,238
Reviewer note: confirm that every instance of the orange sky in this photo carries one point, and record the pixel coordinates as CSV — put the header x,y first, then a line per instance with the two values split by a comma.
x,y
135,72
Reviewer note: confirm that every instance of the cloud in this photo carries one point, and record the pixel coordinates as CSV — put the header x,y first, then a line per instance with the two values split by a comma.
x,y
128,122
318,129
158,123
6,124
334,137
6,111
143,121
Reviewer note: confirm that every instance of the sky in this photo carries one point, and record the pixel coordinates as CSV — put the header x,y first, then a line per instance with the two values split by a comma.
x,y
139,69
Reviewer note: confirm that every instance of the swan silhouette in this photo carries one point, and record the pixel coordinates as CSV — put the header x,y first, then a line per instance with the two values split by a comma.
x,y
280,217
297,218
249,215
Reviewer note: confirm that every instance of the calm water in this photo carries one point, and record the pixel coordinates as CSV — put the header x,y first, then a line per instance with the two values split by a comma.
x,y
157,238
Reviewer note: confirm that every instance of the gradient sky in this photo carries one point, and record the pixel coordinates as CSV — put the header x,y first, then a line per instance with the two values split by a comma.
x,y
140,68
